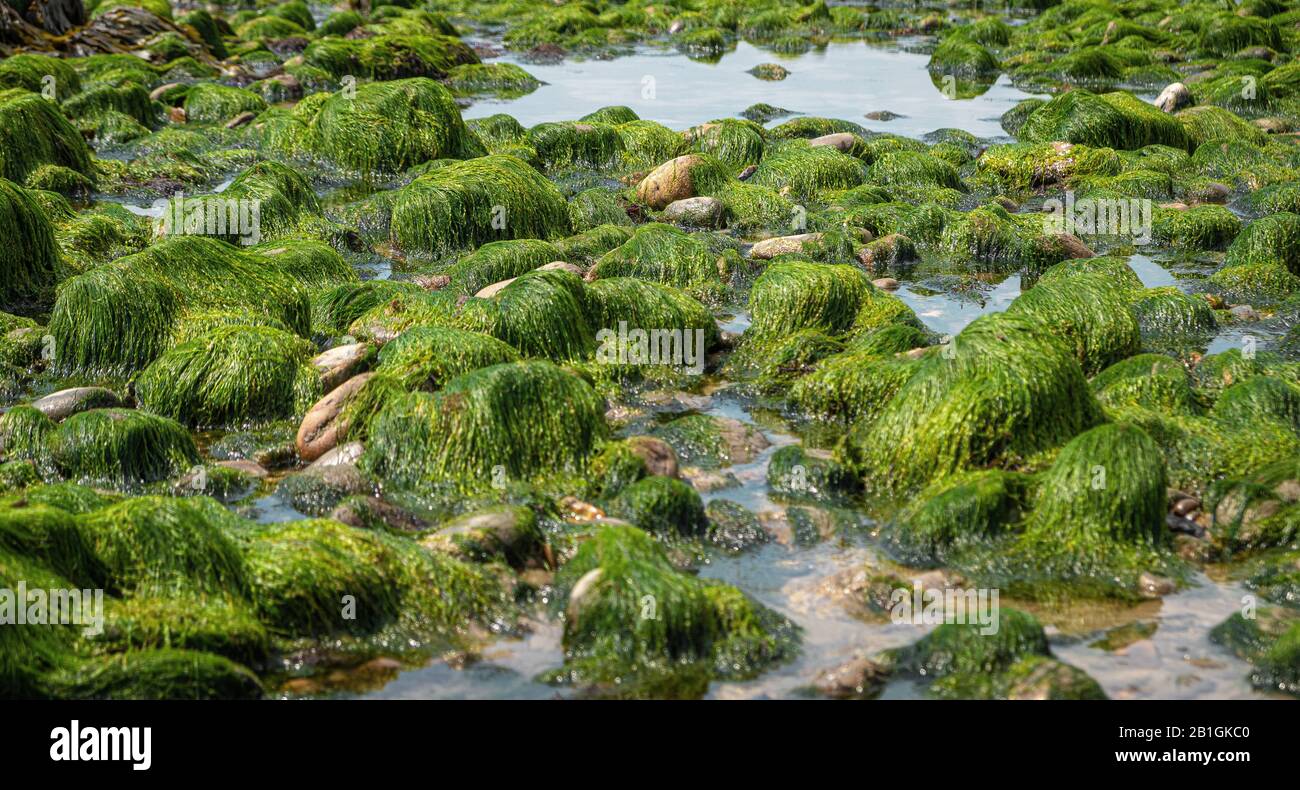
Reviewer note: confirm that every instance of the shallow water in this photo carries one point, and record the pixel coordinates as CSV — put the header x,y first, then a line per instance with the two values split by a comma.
x,y
845,80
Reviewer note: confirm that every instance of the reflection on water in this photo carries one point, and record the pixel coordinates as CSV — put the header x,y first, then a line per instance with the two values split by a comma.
x,y
845,80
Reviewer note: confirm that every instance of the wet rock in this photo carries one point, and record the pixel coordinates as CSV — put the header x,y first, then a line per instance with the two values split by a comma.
x,y
251,468
669,182
1184,526
371,511
1272,125
562,266
860,678
696,212
1074,246
886,252
659,457
343,454
772,72
1049,679
1244,312
733,527
886,283
782,245
581,595
63,404
840,141
1186,506
341,363
507,531
242,119
318,489
707,481
1151,585
1174,97
489,291
745,174
431,282
162,90
883,115
322,427
1288,490
1213,192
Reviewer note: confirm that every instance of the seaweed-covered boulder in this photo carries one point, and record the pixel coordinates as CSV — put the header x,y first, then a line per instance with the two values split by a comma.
x,y
1099,511
1151,381
121,316
660,253
423,53
121,448
959,55
30,258
302,573
155,545
377,127
804,171
1172,321
1274,239
528,418
1089,312
635,626
209,103
575,144
663,506
965,510
426,358
793,295
541,313
1110,120
507,532
1001,391
156,674
231,375
33,133
851,385
681,321
467,204
499,261
1013,661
